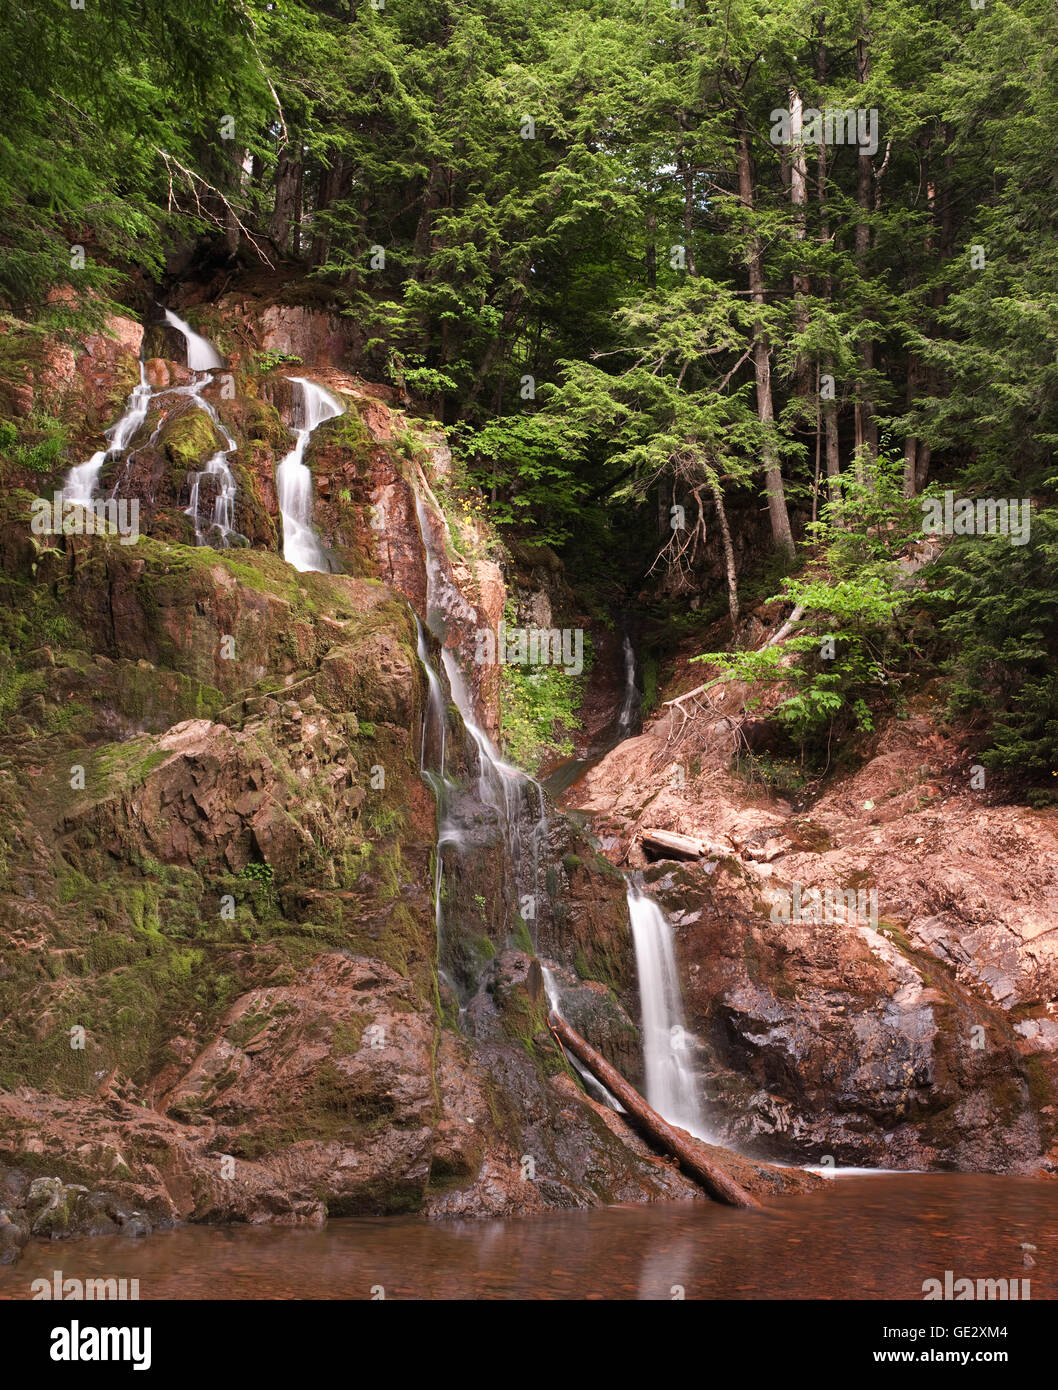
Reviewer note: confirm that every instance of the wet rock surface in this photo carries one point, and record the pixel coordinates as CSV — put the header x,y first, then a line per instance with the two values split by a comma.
x,y
899,1016
218,969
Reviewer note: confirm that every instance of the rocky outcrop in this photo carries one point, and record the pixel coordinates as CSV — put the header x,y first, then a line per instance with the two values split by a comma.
x,y
219,989
872,979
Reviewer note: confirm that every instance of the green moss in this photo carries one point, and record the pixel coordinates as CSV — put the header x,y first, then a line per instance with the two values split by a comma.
x,y
520,936
188,439
524,1020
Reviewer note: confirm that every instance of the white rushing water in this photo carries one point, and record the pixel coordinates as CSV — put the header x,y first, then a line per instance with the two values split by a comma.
x,y
515,800
82,480
202,360
505,789
223,517
435,740
435,705
202,356
630,701
671,1088
301,546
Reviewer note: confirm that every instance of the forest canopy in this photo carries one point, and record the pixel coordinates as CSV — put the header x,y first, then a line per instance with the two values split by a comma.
x,y
747,263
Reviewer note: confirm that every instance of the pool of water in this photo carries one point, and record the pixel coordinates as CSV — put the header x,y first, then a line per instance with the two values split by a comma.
x,y
862,1237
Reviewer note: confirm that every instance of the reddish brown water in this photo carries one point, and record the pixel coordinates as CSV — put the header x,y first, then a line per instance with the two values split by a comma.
x,y
870,1237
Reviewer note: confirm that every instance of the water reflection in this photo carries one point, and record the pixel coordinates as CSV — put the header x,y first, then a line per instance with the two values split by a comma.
x,y
877,1237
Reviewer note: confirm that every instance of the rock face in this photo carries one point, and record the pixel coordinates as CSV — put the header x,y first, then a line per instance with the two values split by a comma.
x,y
219,989
222,993
871,980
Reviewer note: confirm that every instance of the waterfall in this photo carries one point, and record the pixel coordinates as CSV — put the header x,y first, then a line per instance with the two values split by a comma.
x,y
224,505
202,360
82,480
502,787
202,356
301,546
670,1085
509,794
435,718
512,796
626,719
435,707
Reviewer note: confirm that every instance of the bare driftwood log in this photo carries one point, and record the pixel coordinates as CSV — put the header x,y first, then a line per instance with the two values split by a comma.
x,y
776,637
720,1185
671,845
787,627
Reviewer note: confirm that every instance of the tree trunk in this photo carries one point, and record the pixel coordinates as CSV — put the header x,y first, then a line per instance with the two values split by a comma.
x,y
917,460
431,201
287,209
830,404
729,552
332,185
799,203
911,442
782,535
687,175
690,1155
833,454
866,423
499,338
819,445
668,845
922,466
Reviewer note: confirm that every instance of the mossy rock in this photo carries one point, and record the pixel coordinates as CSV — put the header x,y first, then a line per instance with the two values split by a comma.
x,y
188,440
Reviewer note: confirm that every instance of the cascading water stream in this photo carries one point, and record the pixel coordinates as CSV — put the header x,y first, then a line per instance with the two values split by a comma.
x,y
202,360
670,1083
626,718
435,708
224,503
202,356
504,790
82,480
434,720
301,546
509,794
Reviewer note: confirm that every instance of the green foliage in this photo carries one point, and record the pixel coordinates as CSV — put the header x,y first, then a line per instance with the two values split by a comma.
x,y
782,776
271,360
998,607
540,711
43,444
258,872
106,104
528,462
849,605
659,380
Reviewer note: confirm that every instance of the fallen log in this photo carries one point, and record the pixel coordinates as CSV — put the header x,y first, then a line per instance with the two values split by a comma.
x,y
672,846
720,1185
787,627
780,636
698,690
